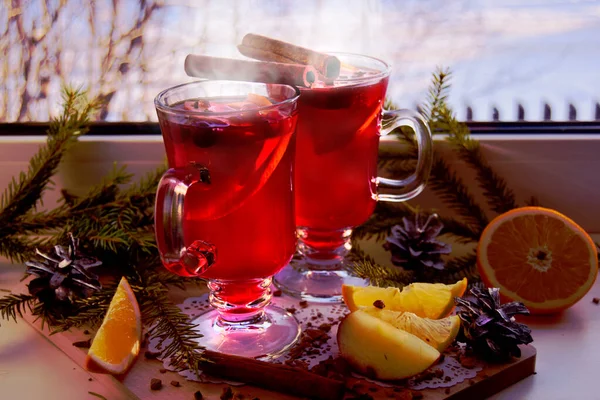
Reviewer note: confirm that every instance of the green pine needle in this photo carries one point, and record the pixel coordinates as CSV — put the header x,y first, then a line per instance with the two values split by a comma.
x,y
500,198
459,231
90,311
379,225
364,266
437,95
533,202
24,193
458,268
380,275
169,324
14,305
451,189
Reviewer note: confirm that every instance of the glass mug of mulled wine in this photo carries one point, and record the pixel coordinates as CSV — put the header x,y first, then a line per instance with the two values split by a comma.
x,y
225,208
336,183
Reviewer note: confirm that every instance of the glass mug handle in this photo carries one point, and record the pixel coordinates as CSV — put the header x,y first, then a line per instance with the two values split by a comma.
x,y
414,184
188,261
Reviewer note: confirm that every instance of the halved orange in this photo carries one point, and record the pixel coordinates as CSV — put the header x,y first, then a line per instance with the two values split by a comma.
x,y
428,300
539,257
117,342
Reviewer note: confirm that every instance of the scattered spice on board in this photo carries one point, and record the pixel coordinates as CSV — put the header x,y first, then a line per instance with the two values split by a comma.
x,y
151,355
227,393
155,384
83,344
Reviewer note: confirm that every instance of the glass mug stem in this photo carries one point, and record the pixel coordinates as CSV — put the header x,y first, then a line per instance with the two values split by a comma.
x,y
252,296
323,250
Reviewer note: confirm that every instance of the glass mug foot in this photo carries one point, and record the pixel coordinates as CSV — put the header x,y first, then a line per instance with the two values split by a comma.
x,y
243,322
268,336
319,286
319,272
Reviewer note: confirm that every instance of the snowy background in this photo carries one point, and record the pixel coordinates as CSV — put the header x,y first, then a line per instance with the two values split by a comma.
x,y
500,52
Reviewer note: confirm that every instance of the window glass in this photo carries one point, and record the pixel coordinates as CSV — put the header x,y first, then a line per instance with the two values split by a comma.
x,y
502,53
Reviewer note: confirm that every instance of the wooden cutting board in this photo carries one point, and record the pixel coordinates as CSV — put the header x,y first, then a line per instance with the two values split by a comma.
x,y
490,380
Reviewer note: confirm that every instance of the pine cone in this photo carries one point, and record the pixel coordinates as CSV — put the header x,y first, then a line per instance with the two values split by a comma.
x,y
415,243
489,328
64,277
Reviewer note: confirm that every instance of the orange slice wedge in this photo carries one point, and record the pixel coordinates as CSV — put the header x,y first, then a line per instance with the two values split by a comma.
x,y
117,342
539,257
378,350
427,300
439,333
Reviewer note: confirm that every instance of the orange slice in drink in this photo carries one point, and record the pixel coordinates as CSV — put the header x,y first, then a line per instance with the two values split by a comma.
x,y
117,342
539,257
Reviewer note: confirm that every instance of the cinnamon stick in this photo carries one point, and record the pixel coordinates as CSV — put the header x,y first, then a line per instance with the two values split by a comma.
x,y
278,377
201,66
268,49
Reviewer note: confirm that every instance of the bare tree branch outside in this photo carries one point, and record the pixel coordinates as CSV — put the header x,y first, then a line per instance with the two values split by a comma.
x,y
126,51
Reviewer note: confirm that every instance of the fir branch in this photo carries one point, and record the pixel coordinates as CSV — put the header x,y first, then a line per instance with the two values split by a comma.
x,y
460,232
23,194
115,222
400,166
499,196
445,183
147,185
437,96
533,201
41,222
48,315
452,190
364,266
106,191
14,305
461,267
379,275
98,197
89,312
19,249
379,225
171,326
442,120
167,279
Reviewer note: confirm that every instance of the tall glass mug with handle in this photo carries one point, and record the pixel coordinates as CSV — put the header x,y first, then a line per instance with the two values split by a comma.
x,y
225,208
336,172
